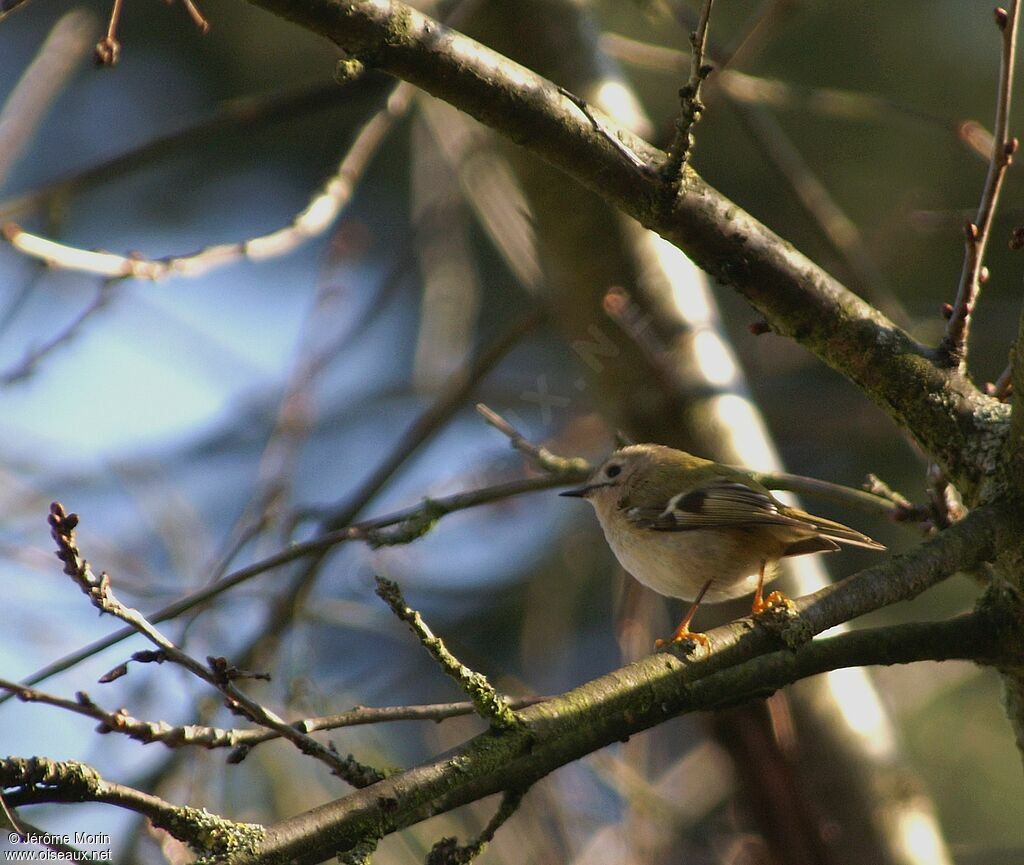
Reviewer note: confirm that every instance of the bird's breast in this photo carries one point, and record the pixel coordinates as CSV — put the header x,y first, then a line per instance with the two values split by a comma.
x,y
678,564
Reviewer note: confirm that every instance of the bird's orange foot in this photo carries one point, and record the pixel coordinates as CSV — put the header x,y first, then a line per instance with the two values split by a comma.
x,y
684,635
775,601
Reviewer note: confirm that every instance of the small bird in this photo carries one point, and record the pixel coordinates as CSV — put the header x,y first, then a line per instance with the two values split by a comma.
x,y
694,529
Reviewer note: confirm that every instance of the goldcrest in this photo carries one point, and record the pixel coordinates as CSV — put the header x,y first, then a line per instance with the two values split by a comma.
x,y
694,529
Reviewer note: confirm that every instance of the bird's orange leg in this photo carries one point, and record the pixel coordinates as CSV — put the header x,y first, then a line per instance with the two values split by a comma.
x,y
774,599
683,632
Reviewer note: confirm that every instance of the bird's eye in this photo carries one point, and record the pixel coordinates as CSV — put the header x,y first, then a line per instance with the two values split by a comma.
x,y
613,471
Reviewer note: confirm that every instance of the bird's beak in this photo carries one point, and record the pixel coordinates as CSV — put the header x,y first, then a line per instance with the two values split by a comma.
x,y
578,493
582,492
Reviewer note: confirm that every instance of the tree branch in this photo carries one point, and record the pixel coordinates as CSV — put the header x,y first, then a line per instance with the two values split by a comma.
x,y
743,662
600,713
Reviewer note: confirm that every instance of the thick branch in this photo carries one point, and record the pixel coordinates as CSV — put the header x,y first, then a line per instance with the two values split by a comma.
x,y
951,419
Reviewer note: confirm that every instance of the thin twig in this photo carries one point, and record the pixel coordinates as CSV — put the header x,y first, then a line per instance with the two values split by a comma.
x,y
690,102
904,509
946,507
202,25
108,49
12,821
216,672
1002,387
203,736
365,530
828,102
953,347
870,501
539,456
447,851
602,130
489,704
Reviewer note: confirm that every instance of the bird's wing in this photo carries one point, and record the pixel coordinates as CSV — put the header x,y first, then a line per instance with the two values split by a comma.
x,y
727,502
717,504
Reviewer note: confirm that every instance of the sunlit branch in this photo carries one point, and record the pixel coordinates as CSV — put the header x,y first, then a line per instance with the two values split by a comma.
x,y
316,218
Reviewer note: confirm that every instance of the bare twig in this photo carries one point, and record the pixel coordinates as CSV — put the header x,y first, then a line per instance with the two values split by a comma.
x,y
216,672
108,49
12,821
870,501
690,102
539,456
904,509
488,703
954,345
829,102
447,851
367,530
317,217
1002,387
202,736
120,721
202,25
945,508
604,132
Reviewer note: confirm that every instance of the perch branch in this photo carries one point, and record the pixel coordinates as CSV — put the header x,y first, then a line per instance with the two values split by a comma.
x,y
742,663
